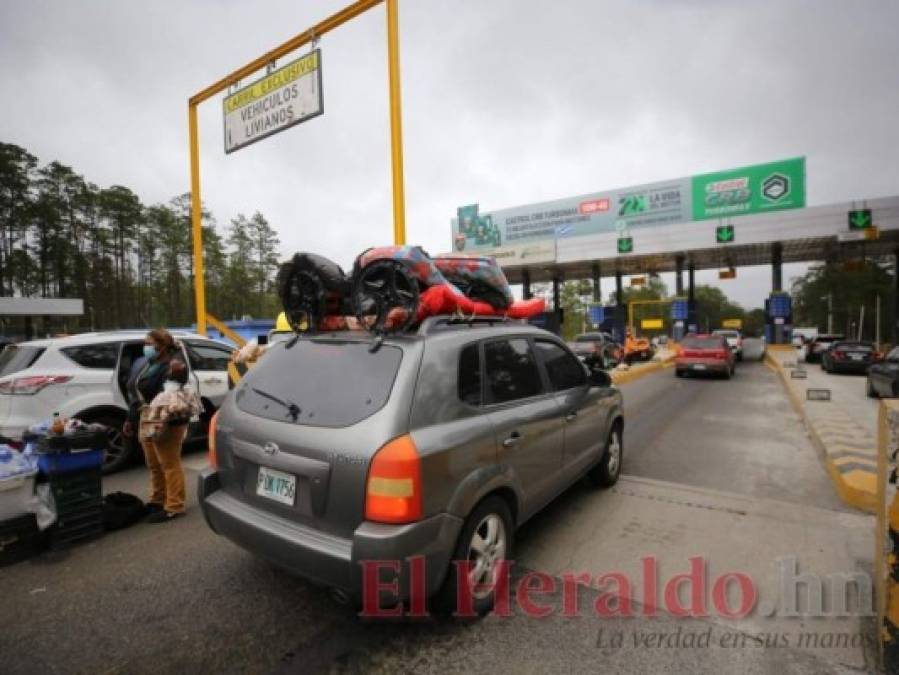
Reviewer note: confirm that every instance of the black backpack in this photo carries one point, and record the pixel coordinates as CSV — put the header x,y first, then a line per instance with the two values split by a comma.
x,y
121,509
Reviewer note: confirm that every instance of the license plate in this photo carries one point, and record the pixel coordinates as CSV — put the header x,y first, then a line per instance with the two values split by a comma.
x,y
698,366
276,485
856,357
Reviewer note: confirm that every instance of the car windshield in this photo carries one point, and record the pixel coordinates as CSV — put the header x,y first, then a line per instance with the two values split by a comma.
x,y
589,337
320,383
702,343
16,357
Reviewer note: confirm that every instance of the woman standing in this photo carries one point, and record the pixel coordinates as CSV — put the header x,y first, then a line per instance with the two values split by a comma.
x,y
162,361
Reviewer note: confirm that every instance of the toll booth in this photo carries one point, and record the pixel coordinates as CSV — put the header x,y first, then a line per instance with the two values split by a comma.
x,y
680,310
779,318
609,318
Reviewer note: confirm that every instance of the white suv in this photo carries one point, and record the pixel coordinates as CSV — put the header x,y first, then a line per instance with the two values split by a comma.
x,y
84,376
734,340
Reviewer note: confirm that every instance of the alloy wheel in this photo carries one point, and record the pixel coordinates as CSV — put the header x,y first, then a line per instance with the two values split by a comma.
x,y
486,550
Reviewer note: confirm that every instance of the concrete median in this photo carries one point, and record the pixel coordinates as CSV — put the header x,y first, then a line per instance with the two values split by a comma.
x,y
848,448
663,359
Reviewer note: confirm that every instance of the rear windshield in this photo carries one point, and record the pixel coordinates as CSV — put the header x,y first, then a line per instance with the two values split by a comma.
x,y
702,343
320,384
15,358
727,333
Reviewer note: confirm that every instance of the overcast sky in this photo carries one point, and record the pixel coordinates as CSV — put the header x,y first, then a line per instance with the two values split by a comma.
x,y
505,102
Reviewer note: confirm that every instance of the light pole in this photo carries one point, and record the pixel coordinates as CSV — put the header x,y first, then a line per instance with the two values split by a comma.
x,y
829,298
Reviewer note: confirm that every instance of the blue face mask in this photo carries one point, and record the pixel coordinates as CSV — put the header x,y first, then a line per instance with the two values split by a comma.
x,y
149,351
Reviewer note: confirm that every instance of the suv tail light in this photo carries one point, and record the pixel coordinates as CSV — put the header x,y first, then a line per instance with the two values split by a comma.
x,y
212,455
27,386
393,490
838,355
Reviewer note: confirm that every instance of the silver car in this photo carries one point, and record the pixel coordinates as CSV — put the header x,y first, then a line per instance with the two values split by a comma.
x,y
338,450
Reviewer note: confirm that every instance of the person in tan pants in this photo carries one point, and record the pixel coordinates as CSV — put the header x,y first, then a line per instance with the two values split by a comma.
x,y
163,456
162,362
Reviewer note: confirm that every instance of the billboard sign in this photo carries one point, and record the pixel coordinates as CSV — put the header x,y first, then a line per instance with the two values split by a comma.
x,y
753,189
287,96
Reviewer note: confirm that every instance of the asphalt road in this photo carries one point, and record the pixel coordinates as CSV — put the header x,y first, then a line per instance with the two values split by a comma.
x,y
177,598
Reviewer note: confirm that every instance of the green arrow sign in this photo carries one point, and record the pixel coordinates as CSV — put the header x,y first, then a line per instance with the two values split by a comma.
x,y
860,219
724,234
626,245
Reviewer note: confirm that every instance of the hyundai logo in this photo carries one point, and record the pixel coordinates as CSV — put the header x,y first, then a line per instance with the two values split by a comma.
x,y
270,448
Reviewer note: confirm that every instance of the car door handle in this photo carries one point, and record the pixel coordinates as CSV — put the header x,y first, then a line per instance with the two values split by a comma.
x,y
212,380
513,439
570,417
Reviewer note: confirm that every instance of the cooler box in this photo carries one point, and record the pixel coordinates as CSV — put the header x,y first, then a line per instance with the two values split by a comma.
x,y
68,462
71,442
16,483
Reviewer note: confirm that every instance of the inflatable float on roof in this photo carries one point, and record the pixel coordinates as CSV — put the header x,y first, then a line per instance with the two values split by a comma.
x,y
393,288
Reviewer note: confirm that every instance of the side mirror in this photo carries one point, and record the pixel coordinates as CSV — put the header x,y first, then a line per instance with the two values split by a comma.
x,y
600,378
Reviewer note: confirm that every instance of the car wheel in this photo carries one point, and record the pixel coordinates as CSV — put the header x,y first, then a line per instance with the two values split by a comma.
x,y
739,356
678,373
605,474
485,541
871,392
120,450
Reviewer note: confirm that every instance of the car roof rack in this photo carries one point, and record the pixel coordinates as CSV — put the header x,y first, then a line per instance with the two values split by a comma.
x,y
446,321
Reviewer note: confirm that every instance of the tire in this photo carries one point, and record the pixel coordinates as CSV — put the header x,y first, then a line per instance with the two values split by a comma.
x,y
728,373
870,389
678,373
491,513
121,450
606,473
740,356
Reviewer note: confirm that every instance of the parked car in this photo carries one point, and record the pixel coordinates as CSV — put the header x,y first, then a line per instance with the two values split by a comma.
x,y
638,349
704,353
436,444
734,340
849,356
597,350
819,345
84,376
883,376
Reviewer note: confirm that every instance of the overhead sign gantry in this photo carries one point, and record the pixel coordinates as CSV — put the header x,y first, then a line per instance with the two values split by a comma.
x,y
279,100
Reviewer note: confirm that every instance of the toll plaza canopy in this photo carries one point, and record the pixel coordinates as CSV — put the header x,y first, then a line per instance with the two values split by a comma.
x,y
750,215
807,234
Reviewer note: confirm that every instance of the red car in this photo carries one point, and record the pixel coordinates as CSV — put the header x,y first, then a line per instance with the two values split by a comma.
x,y
704,354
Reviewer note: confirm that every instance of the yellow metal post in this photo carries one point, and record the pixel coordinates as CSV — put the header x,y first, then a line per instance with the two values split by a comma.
x,y
396,124
197,220
396,131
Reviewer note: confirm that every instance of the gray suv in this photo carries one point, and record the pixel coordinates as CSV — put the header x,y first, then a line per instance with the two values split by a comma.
x,y
412,449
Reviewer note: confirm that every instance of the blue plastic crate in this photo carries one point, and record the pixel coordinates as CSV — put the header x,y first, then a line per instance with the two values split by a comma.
x,y
66,462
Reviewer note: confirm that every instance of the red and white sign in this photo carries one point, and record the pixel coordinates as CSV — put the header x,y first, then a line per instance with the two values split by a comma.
x,y
593,206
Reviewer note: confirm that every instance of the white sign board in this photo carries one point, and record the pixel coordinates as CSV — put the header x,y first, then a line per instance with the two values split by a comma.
x,y
287,96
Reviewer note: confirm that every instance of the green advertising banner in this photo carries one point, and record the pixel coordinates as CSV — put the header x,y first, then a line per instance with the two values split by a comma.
x,y
736,192
751,189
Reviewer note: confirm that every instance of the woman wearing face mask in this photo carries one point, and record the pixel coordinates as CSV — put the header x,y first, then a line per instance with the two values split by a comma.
x,y
161,362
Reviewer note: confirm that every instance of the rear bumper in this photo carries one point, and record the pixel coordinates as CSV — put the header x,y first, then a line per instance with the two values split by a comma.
x,y
330,560
684,365
860,368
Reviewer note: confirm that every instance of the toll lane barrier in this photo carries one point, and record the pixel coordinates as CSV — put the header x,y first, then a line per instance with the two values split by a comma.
x,y
886,538
635,372
849,450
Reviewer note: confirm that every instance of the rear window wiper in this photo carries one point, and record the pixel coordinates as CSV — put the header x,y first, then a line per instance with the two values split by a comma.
x,y
292,408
